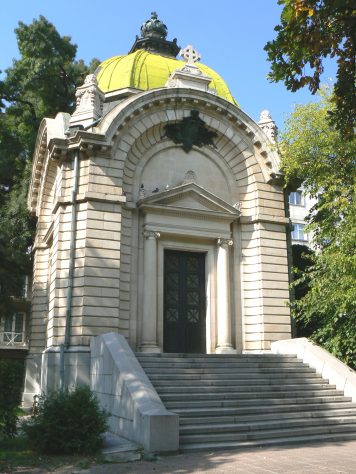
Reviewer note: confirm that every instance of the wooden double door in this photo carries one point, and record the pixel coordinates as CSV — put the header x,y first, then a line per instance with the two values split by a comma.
x,y
184,302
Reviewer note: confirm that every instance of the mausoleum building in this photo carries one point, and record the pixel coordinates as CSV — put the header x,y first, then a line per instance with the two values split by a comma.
x,y
160,217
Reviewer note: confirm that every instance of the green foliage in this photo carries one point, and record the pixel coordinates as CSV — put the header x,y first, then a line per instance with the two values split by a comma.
x,y
310,31
67,422
11,379
16,233
16,456
302,259
41,83
315,152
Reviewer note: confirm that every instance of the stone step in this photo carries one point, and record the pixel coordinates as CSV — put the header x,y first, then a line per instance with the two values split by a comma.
x,y
252,425
217,389
261,434
305,439
259,417
227,370
253,382
165,364
220,360
283,413
159,378
249,394
234,403
173,355
226,401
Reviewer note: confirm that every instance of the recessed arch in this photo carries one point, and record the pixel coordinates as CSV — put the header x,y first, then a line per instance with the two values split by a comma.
x,y
133,117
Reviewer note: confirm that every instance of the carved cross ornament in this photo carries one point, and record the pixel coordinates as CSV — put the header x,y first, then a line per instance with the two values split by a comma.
x,y
190,55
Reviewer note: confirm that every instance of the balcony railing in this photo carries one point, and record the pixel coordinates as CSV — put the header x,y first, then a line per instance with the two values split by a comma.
x,y
13,339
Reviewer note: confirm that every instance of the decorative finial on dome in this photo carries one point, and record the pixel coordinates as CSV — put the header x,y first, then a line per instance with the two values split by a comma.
x,y
154,28
153,38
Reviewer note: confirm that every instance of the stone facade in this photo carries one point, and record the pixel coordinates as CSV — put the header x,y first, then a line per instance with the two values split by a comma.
x,y
112,197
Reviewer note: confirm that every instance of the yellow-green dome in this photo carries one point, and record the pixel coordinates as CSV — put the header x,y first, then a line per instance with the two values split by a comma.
x,y
144,70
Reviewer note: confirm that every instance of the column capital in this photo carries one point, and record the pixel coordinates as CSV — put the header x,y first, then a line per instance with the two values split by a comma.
x,y
151,234
223,242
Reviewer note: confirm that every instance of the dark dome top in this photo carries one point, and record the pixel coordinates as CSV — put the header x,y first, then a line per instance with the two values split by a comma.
x,y
154,28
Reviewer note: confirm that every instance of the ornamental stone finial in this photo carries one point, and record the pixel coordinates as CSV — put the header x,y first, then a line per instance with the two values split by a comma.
x,y
89,102
268,125
265,115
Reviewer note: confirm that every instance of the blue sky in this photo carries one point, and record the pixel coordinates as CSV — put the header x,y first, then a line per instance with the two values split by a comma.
x,y
229,34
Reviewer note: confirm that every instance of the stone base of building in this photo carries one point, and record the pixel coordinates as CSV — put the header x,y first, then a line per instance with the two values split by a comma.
x,y
50,370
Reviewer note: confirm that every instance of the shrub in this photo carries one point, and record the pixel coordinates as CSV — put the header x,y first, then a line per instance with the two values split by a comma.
x,y
11,379
67,422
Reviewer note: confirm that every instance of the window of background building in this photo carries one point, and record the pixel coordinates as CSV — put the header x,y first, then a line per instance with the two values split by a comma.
x,y
298,232
14,328
296,198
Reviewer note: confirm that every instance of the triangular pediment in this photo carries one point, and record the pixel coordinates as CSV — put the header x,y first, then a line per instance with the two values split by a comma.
x,y
191,197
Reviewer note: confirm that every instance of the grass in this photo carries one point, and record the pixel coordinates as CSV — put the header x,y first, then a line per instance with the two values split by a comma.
x,y
15,454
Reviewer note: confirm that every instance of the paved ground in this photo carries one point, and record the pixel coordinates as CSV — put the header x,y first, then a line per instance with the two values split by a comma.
x,y
323,458
326,458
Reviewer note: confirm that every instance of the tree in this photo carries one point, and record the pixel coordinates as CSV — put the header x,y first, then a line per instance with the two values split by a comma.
x,y
310,31
302,259
315,152
41,83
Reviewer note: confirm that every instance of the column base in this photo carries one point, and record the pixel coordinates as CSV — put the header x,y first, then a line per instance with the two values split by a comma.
x,y
228,349
150,348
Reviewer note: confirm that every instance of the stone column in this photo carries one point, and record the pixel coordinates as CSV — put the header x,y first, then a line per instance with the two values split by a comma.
x,y
149,313
223,298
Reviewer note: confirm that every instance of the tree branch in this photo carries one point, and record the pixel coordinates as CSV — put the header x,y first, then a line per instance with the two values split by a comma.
x,y
22,101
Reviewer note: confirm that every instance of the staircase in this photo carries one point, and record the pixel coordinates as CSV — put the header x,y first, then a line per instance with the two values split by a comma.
x,y
232,401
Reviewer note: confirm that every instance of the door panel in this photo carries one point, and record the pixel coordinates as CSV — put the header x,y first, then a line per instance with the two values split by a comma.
x,y
184,302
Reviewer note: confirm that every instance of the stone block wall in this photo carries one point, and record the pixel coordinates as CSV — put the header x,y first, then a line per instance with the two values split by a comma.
x,y
265,285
